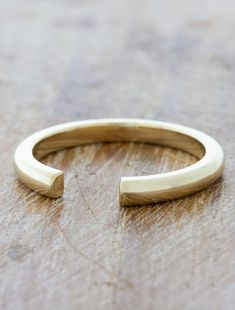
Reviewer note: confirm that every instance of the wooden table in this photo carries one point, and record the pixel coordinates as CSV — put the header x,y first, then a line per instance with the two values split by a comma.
x,y
68,60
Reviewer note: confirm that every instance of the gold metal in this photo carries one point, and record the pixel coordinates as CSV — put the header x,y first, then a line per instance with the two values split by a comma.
x,y
133,190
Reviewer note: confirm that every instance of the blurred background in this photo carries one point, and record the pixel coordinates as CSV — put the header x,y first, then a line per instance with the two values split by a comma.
x,y
86,59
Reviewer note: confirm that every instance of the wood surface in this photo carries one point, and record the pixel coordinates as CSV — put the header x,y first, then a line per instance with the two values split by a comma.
x,y
68,60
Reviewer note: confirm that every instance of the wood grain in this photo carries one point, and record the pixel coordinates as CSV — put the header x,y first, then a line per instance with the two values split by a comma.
x,y
68,60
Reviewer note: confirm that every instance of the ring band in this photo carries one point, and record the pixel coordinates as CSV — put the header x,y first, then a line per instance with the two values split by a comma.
x,y
133,190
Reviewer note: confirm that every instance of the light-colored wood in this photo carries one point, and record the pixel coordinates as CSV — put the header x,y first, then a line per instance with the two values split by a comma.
x,y
135,190
62,61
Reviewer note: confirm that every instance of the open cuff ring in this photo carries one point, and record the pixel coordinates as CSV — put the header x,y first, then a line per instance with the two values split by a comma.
x,y
133,190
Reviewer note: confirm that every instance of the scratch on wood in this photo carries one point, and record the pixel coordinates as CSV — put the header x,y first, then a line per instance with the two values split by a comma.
x,y
92,261
83,196
18,251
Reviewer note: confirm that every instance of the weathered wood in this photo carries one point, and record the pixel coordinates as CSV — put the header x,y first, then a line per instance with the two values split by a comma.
x,y
68,60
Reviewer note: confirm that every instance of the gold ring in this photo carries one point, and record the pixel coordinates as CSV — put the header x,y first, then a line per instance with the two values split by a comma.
x,y
133,190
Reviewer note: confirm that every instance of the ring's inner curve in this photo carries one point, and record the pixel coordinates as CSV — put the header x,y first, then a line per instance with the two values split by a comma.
x,y
118,133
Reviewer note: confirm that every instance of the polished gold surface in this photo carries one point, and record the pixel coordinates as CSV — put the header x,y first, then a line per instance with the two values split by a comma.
x,y
133,190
